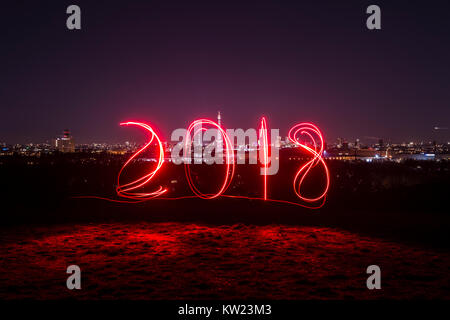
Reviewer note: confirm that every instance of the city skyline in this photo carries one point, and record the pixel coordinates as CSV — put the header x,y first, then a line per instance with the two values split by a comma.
x,y
168,64
139,138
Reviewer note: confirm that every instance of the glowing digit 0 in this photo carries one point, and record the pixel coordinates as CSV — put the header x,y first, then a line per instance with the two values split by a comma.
x,y
229,158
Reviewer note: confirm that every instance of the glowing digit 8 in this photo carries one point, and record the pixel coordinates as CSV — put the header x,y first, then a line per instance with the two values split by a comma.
x,y
309,130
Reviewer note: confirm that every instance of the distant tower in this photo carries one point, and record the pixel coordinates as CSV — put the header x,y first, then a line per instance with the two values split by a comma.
x,y
219,135
198,135
198,143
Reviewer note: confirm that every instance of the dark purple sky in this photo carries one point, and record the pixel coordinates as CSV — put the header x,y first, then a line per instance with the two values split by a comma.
x,y
170,62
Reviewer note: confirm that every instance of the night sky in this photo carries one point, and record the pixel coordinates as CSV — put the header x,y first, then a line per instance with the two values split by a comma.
x,y
170,62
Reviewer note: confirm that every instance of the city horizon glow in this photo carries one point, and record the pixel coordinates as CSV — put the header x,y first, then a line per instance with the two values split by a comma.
x,y
181,60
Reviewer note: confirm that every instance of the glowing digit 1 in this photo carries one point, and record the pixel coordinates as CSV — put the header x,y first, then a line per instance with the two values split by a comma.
x,y
264,145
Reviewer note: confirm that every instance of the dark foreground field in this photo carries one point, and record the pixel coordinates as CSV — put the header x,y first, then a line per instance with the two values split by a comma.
x,y
387,214
196,261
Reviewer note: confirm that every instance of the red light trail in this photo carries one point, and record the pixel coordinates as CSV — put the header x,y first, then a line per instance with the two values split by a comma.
x,y
125,189
306,129
229,158
309,130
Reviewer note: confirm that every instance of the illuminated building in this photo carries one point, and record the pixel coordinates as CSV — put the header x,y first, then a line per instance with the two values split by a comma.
x,y
65,143
278,142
